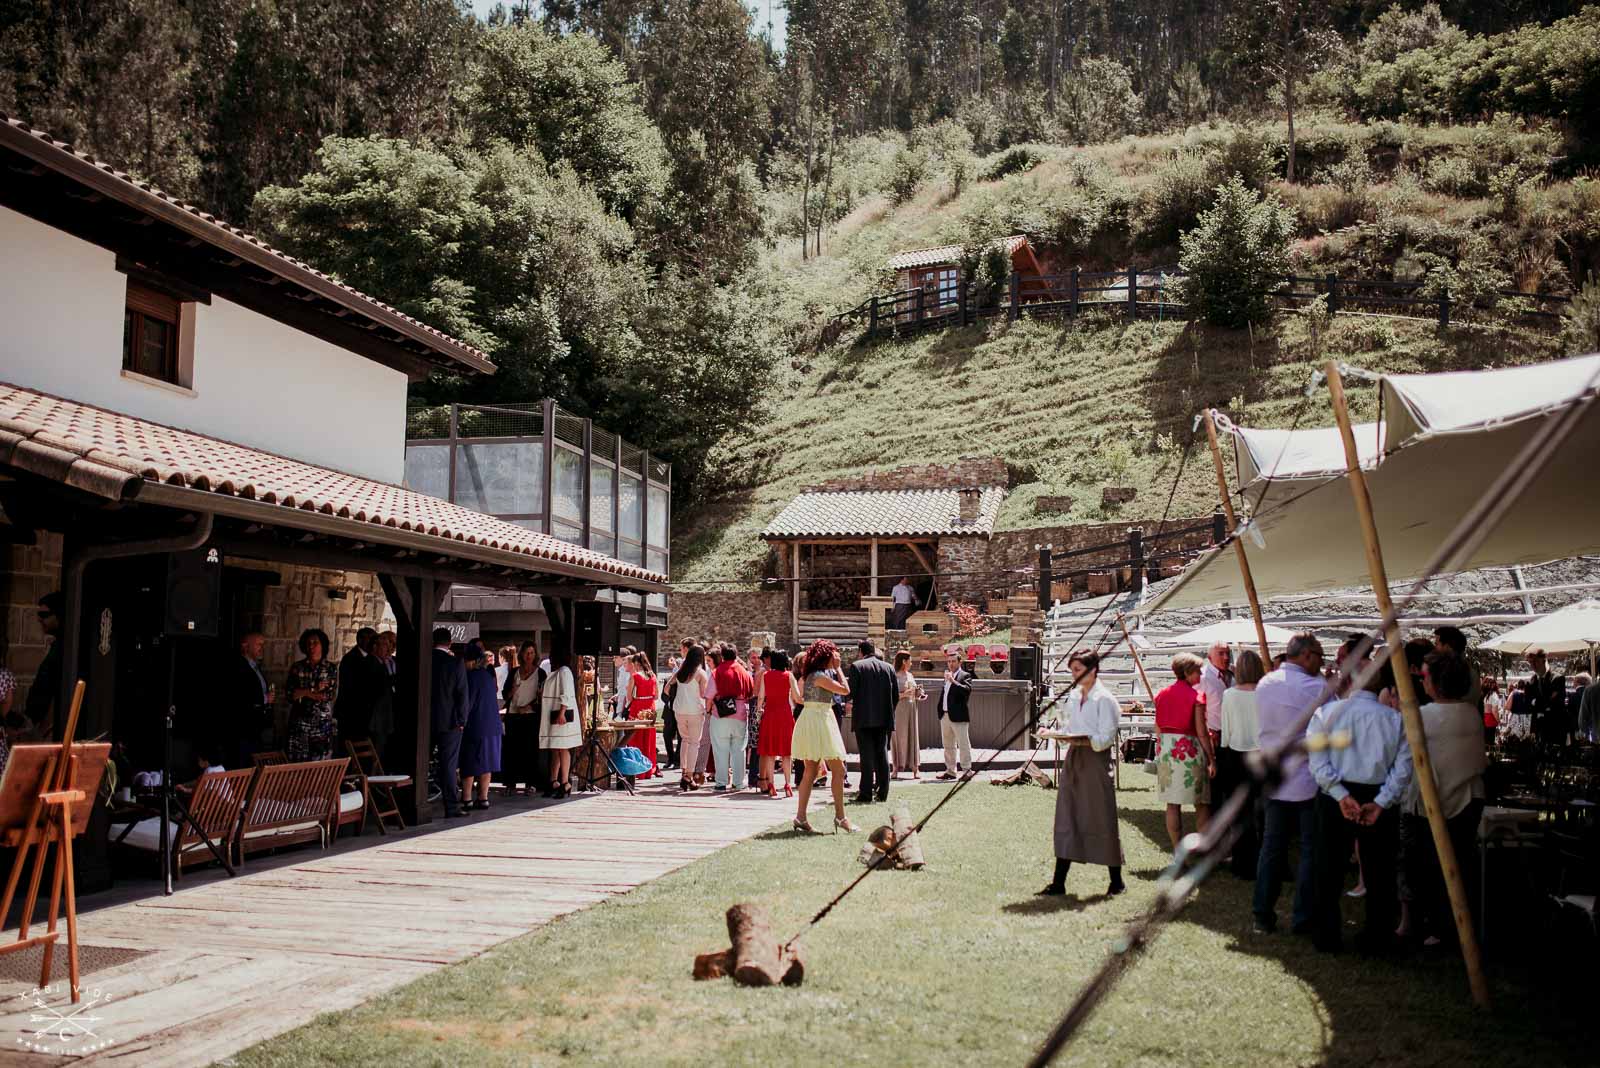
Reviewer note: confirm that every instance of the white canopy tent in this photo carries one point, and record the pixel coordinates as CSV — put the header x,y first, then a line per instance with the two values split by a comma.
x,y
1573,629
1439,441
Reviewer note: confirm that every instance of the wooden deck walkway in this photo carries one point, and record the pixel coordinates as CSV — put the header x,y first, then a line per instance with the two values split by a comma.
x,y
233,961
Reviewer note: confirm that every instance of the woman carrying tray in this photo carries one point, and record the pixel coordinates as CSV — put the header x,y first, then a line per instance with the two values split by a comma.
x,y
1086,799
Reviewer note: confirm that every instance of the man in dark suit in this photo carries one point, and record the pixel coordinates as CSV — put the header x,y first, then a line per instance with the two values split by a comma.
x,y
955,727
449,717
364,690
1547,701
249,702
873,694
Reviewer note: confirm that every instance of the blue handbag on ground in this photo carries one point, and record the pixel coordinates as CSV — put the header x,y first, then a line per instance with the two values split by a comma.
x,y
627,760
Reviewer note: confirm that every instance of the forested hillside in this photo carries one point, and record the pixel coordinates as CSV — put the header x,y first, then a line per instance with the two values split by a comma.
x,y
651,208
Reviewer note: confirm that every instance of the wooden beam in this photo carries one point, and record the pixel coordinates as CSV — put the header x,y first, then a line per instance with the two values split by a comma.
x,y
1238,543
923,560
1410,711
874,567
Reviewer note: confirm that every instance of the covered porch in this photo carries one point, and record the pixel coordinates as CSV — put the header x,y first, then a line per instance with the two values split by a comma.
x,y
120,497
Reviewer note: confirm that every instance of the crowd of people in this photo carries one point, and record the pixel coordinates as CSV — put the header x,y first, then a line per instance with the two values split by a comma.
x,y
1351,796
730,720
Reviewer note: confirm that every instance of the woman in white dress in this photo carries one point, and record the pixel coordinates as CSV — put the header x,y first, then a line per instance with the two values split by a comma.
x,y
689,709
559,728
1086,799
817,740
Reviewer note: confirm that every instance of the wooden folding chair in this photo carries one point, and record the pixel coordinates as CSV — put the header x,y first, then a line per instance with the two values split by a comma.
x,y
377,788
268,756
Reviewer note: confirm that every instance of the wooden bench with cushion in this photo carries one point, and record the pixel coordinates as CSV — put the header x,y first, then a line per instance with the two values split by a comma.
x,y
291,803
218,799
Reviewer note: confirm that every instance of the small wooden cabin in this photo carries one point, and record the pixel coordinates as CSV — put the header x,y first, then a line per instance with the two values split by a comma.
x,y
937,271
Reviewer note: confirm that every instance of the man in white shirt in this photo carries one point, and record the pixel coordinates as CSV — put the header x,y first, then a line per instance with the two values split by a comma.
x,y
905,603
1215,678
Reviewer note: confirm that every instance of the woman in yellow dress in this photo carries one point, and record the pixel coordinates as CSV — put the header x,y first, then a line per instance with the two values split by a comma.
x,y
817,740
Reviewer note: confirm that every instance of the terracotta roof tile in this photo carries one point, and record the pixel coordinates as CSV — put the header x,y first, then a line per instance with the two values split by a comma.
x,y
884,513
927,257
110,454
442,342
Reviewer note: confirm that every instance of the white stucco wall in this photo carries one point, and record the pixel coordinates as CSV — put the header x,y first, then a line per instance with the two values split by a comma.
x,y
256,381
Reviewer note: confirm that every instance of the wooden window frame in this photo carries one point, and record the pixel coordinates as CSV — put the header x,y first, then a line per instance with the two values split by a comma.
x,y
145,302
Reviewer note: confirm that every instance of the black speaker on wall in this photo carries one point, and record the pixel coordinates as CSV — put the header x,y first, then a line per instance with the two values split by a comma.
x,y
598,629
194,594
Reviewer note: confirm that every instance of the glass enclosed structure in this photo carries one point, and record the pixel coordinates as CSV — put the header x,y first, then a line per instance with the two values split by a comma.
x,y
550,470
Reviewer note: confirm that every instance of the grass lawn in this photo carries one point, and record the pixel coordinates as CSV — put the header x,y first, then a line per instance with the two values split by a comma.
x,y
957,964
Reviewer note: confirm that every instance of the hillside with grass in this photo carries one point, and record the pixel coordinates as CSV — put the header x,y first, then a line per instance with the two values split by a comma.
x,y
1078,406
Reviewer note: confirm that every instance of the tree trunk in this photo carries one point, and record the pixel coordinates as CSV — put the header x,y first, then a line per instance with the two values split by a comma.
x,y
827,182
1288,103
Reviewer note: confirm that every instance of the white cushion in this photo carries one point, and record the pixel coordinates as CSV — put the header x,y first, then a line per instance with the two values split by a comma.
x,y
350,801
146,835
292,828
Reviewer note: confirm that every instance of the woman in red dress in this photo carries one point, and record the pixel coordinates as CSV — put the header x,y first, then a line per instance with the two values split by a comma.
x,y
642,689
780,693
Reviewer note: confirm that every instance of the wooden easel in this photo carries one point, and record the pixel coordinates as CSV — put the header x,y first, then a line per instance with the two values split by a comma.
x,y
40,785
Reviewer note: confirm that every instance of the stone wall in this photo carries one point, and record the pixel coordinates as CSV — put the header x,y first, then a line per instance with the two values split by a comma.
x,y
967,471
724,615
30,572
300,601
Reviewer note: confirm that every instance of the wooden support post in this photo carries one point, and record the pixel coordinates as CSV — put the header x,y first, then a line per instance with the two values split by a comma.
x,y
1238,543
794,590
1409,710
1073,293
874,567
922,295
961,301
1444,308
1046,579
1333,293
872,318
1016,297
1133,293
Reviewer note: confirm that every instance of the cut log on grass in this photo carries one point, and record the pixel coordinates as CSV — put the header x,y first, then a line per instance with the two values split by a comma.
x,y
756,958
755,948
713,965
910,855
794,964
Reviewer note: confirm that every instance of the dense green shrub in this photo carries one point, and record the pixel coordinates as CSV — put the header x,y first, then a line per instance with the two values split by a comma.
x,y
1184,187
1098,102
1018,159
909,170
1580,333
1236,255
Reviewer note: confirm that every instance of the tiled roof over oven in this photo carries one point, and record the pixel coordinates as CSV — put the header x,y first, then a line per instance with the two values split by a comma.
x,y
927,257
114,456
885,514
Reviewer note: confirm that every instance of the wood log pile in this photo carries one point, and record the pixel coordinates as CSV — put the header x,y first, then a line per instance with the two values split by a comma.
x,y
755,958
834,594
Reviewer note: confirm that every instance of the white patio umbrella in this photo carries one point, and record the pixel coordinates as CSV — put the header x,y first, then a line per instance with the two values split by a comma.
x,y
1573,629
1237,631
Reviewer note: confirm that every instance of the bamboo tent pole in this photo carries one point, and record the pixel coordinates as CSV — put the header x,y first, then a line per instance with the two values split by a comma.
x,y
1123,623
1238,543
1409,710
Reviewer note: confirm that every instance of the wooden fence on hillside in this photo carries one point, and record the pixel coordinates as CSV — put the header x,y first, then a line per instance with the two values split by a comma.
x,y
1147,291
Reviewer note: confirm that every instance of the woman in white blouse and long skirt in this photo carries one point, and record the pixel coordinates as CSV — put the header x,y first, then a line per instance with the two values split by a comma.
x,y
1086,799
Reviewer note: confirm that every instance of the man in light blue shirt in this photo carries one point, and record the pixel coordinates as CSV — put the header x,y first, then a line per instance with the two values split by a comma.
x,y
1282,698
1362,764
